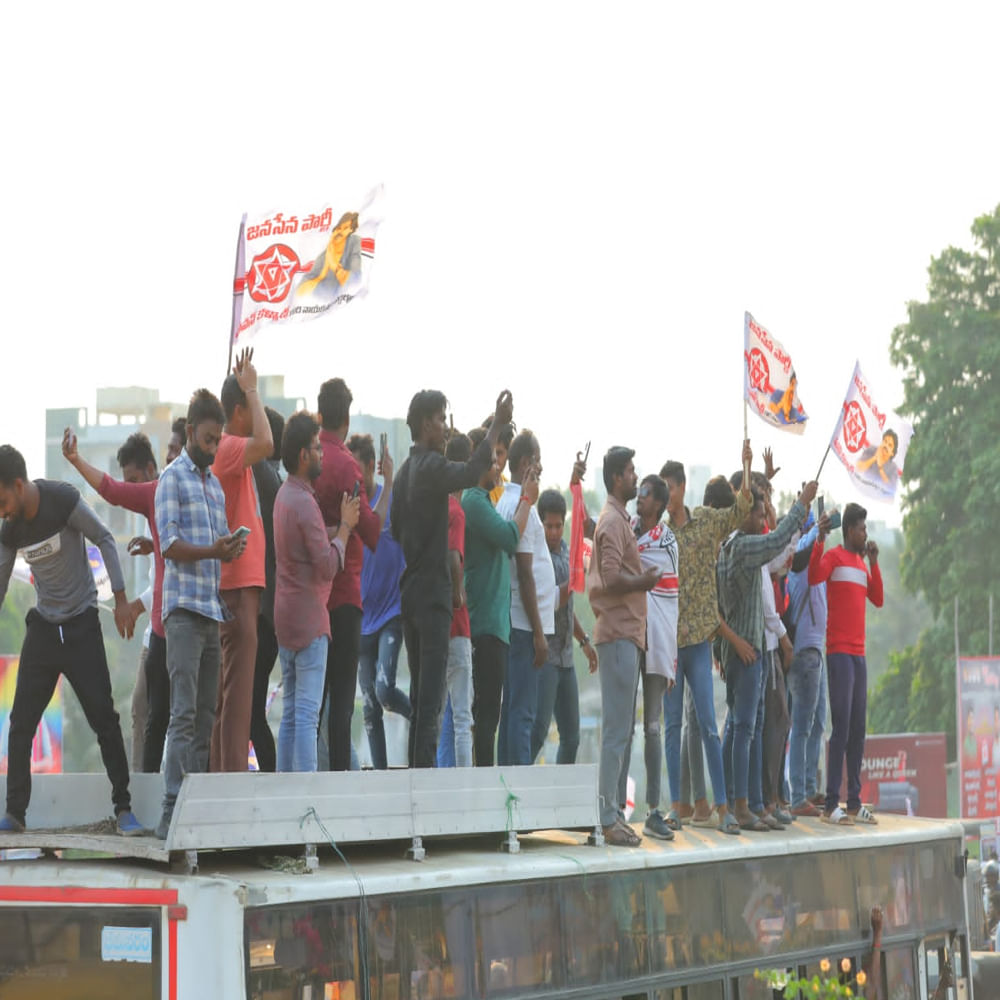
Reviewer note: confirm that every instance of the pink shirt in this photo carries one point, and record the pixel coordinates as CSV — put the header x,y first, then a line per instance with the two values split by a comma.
x,y
305,564
242,509
140,497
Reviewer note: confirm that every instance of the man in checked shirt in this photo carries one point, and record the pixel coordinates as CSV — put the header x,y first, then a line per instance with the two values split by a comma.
x,y
195,540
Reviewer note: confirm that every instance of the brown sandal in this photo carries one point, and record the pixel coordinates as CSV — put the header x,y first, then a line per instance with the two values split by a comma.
x,y
620,835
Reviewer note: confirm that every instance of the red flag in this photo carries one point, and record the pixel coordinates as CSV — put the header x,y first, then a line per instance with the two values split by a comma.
x,y
576,540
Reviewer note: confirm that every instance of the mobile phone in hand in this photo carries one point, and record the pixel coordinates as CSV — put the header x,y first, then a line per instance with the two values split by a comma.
x,y
357,489
819,507
241,532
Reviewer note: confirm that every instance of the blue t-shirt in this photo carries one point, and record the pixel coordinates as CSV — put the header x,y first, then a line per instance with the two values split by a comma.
x,y
380,573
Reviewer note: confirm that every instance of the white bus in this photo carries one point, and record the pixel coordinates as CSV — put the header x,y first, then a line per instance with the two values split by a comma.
x,y
687,920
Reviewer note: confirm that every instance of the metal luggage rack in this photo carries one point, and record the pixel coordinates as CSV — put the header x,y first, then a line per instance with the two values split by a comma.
x,y
220,812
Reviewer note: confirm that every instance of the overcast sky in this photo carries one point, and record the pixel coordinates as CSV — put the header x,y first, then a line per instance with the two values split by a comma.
x,y
581,202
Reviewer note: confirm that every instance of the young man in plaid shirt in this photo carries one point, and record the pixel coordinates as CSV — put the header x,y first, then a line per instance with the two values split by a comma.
x,y
194,540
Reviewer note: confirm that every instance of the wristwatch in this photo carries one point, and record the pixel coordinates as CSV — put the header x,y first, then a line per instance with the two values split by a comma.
x,y
585,641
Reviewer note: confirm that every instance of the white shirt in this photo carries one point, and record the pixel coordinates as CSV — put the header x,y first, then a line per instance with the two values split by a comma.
x,y
532,541
658,548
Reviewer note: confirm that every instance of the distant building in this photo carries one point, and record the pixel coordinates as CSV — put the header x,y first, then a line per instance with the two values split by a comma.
x,y
697,479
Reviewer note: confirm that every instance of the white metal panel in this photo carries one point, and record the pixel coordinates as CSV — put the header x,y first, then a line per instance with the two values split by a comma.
x,y
498,799
259,810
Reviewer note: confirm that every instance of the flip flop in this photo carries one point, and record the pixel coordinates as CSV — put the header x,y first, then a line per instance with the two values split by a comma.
x,y
707,822
838,818
755,824
864,815
728,824
673,819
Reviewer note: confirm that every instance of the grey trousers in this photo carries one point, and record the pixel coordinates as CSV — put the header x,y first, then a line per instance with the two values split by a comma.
x,y
193,654
654,687
692,754
618,671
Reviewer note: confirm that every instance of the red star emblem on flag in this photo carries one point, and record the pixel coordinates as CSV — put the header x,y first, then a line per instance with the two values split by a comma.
x,y
759,371
271,273
855,427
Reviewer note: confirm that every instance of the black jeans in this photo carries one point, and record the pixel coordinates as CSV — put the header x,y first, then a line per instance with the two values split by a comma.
x,y
75,649
260,732
489,665
426,636
158,702
342,682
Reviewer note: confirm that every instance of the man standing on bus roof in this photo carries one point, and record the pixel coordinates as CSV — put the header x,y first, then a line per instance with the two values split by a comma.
x,y
848,585
194,539
617,586
47,522
419,515
742,604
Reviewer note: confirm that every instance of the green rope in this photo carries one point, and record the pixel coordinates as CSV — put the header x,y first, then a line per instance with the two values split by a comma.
x,y
363,901
511,804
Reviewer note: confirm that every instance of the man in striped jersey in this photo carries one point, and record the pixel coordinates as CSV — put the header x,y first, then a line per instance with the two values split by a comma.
x,y
848,585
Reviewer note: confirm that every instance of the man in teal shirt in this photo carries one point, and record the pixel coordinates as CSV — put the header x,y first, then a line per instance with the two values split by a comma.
x,y
490,541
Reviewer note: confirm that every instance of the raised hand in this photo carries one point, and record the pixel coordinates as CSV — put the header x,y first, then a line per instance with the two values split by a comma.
x,y
69,445
769,468
529,487
246,374
808,493
504,412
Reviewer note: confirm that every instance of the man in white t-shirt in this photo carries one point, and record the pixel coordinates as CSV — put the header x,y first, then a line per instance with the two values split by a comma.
x,y
533,596
657,549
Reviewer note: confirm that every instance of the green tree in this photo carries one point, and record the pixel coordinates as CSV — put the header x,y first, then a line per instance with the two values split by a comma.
x,y
949,351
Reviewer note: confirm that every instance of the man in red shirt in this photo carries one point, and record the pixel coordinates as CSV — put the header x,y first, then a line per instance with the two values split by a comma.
x,y
848,585
246,439
340,474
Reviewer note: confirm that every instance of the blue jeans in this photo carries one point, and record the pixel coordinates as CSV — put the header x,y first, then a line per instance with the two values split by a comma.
x,y
694,666
378,656
743,696
446,741
302,674
805,685
848,684
558,693
520,698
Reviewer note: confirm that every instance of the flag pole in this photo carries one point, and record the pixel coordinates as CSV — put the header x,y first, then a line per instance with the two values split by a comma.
x,y
746,438
239,280
823,462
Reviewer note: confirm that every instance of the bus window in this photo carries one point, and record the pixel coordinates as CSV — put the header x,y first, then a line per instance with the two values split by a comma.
x,y
518,938
69,952
940,890
604,924
789,904
685,918
421,945
304,949
900,976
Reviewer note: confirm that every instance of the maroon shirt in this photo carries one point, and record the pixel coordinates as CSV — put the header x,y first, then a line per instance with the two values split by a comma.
x,y
305,562
340,472
140,497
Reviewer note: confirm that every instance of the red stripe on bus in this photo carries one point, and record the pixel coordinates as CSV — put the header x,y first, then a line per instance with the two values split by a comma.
x,y
172,958
72,894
